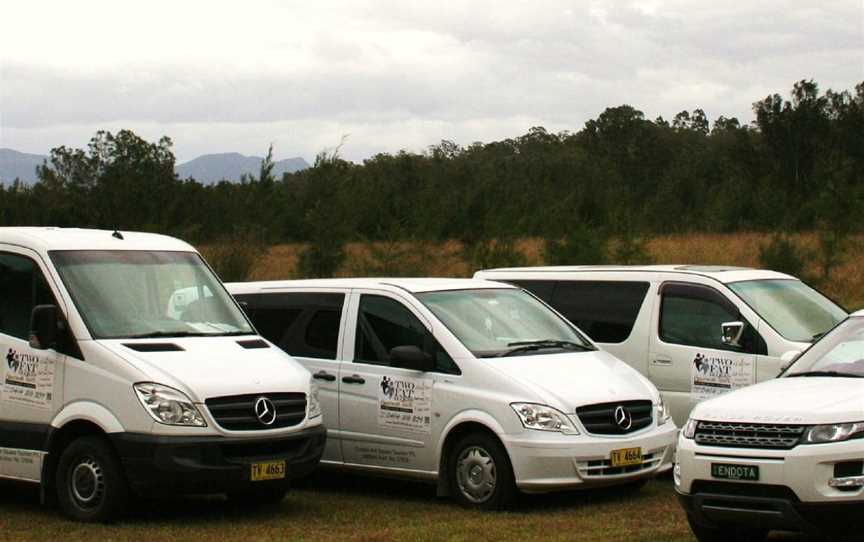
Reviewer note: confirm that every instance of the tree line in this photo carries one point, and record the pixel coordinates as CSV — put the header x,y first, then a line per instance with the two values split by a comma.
x,y
798,166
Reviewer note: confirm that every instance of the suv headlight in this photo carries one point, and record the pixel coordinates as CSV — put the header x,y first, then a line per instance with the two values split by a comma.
x,y
663,414
314,403
544,418
819,434
167,405
689,430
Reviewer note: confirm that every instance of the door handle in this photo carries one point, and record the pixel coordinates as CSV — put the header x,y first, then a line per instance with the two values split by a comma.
x,y
661,361
324,375
353,379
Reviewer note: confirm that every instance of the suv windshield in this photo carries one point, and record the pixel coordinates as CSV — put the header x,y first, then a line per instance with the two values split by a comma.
x,y
499,322
839,353
795,310
137,294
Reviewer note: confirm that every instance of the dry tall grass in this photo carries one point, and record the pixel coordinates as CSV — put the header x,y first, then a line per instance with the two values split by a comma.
x,y
447,260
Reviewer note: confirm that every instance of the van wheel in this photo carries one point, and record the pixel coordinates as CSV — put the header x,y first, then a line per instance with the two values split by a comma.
x,y
704,533
480,473
258,497
90,482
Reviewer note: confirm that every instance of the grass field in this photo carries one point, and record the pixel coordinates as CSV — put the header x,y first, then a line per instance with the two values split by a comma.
x,y
446,259
355,508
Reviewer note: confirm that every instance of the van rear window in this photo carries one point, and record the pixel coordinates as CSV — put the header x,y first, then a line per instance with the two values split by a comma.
x,y
605,310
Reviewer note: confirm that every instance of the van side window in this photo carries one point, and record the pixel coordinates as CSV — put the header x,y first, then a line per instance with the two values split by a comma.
x,y
303,324
692,316
383,324
22,287
605,310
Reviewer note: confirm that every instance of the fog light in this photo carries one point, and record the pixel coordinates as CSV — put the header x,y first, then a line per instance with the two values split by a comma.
x,y
676,474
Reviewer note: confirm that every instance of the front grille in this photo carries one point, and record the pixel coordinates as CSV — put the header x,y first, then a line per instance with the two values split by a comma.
x,y
740,489
601,468
749,435
600,419
237,412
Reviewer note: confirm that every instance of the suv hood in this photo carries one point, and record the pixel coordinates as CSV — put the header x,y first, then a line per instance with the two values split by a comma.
x,y
799,400
213,366
570,380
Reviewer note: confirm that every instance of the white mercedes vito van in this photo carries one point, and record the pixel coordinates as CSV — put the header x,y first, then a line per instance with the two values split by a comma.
x,y
785,454
474,384
694,331
106,390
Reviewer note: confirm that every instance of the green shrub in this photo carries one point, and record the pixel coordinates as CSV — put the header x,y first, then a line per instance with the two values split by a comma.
x,y
320,259
490,253
581,245
234,258
783,254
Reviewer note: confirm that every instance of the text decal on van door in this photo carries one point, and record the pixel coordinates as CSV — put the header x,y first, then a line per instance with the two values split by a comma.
x,y
28,379
711,376
405,403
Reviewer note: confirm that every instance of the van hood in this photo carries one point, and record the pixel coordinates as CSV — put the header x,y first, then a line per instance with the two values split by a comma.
x,y
799,400
213,366
570,380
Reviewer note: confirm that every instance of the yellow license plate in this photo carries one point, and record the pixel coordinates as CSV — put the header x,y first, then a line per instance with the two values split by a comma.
x,y
271,470
625,457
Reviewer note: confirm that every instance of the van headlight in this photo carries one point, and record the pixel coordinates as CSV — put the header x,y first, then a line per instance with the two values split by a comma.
x,y
544,418
167,405
314,404
663,414
820,434
689,430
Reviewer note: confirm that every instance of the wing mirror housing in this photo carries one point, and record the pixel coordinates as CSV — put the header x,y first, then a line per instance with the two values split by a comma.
x,y
731,333
44,327
411,357
788,358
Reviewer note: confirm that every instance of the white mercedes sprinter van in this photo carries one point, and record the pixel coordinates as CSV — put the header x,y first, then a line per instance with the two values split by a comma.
x,y
785,454
475,385
694,331
106,390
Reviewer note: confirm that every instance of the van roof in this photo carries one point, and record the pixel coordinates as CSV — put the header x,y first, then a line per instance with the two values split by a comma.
x,y
724,274
44,239
413,285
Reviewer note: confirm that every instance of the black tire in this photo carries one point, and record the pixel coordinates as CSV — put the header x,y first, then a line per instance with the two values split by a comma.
x,y
726,533
480,474
90,482
258,497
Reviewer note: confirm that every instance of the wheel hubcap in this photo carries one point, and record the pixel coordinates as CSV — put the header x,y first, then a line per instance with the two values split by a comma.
x,y
87,483
475,474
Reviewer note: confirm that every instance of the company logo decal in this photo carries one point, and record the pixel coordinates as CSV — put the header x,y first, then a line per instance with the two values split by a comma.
x,y
265,411
28,379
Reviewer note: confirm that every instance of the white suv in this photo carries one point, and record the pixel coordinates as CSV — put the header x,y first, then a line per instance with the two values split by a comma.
x,y
784,454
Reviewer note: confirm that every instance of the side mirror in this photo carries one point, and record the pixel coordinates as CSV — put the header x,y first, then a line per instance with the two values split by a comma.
x,y
411,357
44,327
731,333
787,358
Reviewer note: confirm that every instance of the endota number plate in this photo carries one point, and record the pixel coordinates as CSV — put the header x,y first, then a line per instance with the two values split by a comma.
x,y
728,471
271,470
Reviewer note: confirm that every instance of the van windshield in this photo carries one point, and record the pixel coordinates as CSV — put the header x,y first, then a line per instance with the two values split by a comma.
x,y
795,310
140,294
502,322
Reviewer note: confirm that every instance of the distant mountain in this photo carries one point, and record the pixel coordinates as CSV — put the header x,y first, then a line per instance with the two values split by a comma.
x,y
206,169
212,168
18,165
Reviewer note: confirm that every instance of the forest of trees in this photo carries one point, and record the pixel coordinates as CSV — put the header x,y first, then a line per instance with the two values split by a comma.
x,y
798,166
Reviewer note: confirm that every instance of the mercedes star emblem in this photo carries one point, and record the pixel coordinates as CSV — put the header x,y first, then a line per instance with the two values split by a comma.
x,y
265,411
623,418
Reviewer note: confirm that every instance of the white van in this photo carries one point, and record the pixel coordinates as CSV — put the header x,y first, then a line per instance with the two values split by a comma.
x,y
785,454
474,384
694,331
106,392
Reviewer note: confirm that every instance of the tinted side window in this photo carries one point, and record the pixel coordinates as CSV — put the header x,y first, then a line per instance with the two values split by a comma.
x,y
541,288
301,324
605,310
383,324
22,287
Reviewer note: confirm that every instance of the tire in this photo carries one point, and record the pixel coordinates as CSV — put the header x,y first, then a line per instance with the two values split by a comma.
x,y
262,497
480,474
90,482
725,533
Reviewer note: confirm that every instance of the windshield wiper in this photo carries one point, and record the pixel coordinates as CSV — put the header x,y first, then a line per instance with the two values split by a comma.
x,y
168,334
527,346
818,336
826,373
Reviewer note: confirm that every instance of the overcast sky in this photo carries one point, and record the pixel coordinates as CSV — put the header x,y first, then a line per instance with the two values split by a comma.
x,y
220,76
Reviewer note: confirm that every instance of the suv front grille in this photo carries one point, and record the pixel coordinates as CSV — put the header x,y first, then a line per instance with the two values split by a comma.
x,y
600,419
237,412
749,435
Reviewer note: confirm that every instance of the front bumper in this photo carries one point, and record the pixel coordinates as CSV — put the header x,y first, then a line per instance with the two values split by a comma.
x,y
213,464
545,462
796,488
